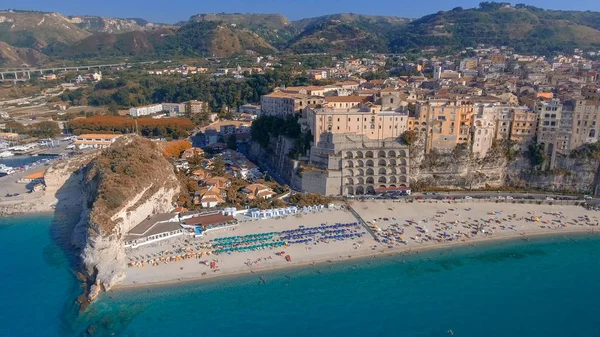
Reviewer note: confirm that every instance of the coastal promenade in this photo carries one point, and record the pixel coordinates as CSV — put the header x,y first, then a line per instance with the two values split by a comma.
x,y
395,228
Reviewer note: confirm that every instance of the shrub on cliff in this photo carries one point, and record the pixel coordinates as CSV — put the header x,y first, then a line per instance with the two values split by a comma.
x,y
309,199
409,137
174,149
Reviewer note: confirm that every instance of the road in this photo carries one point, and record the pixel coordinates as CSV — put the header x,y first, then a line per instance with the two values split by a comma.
x,y
484,195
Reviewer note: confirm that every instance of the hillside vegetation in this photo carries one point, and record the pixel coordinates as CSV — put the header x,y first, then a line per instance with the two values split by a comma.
x,y
526,28
192,39
38,30
276,29
16,57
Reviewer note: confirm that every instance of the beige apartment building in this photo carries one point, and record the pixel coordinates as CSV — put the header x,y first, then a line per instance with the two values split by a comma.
x,y
283,104
586,119
484,126
554,129
368,121
523,126
518,124
444,123
195,107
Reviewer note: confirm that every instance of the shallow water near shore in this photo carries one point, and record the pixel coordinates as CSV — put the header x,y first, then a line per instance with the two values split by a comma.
x,y
541,287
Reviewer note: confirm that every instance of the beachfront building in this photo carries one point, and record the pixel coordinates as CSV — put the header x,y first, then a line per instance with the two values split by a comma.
x,y
95,140
154,228
356,149
207,222
272,213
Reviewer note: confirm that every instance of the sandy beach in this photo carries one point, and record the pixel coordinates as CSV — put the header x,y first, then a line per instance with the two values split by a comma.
x,y
393,227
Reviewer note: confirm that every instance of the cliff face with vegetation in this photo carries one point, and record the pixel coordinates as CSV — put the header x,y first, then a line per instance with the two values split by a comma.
x,y
123,185
572,175
456,169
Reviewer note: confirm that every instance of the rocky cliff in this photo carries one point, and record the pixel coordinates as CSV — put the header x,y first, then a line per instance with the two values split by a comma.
x,y
572,175
456,169
459,169
121,187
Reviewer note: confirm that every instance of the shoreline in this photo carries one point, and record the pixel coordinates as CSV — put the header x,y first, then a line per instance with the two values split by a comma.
x,y
374,254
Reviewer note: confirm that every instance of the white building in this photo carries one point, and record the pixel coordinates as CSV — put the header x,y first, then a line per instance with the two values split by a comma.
x,y
96,141
146,110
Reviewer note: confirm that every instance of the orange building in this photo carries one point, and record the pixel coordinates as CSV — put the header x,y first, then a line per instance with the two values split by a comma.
x,y
444,123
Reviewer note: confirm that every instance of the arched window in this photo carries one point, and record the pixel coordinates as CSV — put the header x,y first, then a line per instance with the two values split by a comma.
x,y
592,133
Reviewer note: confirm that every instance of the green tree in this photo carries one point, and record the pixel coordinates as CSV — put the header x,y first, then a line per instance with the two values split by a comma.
x,y
409,137
232,142
537,155
45,130
113,110
219,168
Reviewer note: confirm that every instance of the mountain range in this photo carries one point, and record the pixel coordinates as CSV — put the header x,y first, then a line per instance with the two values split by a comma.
x,y
32,38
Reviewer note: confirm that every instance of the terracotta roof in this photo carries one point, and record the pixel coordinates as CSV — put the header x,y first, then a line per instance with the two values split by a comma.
x,y
99,135
89,142
36,175
279,94
343,99
209,219
217,181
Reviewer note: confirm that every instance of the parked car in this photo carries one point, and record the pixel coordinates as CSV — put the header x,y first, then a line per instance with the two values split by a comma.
x,y
468,198
508,197
549,199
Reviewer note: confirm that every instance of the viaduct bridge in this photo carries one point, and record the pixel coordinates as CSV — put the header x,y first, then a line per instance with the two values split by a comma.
x,y
23,74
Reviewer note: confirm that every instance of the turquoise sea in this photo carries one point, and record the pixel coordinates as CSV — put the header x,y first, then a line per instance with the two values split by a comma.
x,y
544,287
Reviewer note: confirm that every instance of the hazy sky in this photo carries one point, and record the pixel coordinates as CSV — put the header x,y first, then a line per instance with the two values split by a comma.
x,y
172,11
